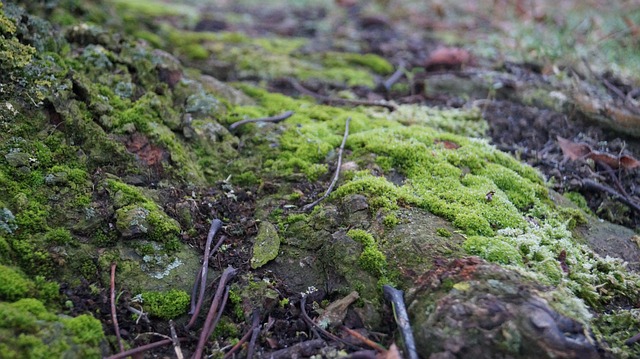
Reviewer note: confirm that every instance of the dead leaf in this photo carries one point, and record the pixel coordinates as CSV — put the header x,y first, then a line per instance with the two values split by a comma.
x,y
575,151
572,150
448,144
448,57
392,353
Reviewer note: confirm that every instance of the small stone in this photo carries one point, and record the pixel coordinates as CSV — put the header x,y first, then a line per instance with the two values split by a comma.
x,y
266,245
18,159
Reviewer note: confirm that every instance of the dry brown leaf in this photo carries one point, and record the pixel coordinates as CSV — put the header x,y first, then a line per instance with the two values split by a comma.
x,y
448,57
448,144
572,150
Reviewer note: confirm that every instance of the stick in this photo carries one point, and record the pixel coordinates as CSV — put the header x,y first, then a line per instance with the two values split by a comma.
x,y
143,348
402,318
379,348
254,324
114,316
394,78
254,334
176,342
337,174
296,85
274,119
587,183
312,324
216,224
219,315
226,276
299,350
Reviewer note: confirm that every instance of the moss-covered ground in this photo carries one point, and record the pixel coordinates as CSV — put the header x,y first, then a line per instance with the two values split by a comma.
x,y
115,148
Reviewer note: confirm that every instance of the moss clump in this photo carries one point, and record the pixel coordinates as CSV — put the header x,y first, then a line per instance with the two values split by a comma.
x,y
166,305
493,249
29,330
443,232
371,259
390,220
615,328
578,200
13,285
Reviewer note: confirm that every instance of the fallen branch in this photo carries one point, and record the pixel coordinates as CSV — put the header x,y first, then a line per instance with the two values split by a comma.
x,y
219,315
226,276
254,334
395,296
274,119
337,174
114,316
296,85
216,224
589,184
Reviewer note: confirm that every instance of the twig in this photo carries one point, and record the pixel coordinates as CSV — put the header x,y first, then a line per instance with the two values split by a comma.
x,y
299,350
143,348
365,340
312,324
275,119
296,85
633,339
254,324
589,184
386,85
337,174
114,316
216,224
141,315
402,319
219,315
226,276
254,334
176,342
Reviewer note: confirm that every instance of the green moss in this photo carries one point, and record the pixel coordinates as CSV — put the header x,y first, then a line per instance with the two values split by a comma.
x,y
13,285
493,249
443,232
578,200
59,236
30,331
371,259
615,328
390,220
166,305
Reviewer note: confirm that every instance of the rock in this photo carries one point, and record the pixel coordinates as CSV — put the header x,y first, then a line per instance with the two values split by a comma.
x,y
18,159
468,308
266,245
131,221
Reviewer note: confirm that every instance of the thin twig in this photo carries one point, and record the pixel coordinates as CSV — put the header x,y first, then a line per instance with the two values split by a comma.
x,y
254,334
370,343
274,119
143,348
114,316
296,85
226,276
394,78
313,325
176,342
395,296
254,324
589,184
216,224
337,174
141,315
219,315
295,351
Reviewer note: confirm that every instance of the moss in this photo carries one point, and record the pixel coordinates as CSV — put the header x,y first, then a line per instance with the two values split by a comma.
x,y
166,305
443,232
371,259
29,330
578,200
390,220
493,249
615,328
59,236
13,285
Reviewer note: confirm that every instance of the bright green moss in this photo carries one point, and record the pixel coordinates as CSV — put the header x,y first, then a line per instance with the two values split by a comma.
x,y
166,305
493,249
59,236
578,200
30,331
13,285
443,232
371,259
390,220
